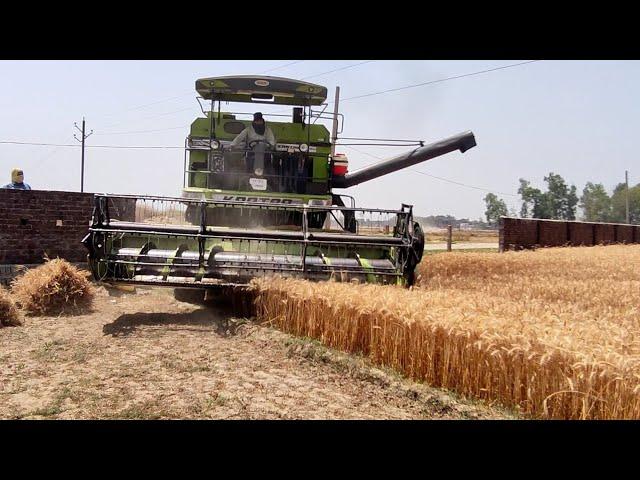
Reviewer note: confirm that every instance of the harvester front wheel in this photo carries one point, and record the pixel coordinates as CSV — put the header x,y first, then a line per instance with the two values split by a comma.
x,y
189,295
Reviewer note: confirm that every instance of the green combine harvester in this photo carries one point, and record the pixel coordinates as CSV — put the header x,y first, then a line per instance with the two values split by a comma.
x,y
262,209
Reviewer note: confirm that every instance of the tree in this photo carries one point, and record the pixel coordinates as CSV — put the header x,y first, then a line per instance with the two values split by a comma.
x,y
618,203
558,202
596,203
496,208
533,204
560,199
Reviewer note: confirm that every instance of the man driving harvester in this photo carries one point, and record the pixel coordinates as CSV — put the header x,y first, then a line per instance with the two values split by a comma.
x,y
258,138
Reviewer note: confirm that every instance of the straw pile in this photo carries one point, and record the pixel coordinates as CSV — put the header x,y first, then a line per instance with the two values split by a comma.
x,y
554,333
53,288
8,311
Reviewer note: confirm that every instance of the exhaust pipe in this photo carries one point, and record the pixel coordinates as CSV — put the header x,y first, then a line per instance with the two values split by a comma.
x,y
462,141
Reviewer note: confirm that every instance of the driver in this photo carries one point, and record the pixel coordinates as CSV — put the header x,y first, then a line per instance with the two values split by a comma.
x,y
256,132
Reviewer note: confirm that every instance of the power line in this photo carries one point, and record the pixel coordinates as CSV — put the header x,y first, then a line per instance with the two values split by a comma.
x,y
139,107
440,80
282,66
336,70
151,117
432,176
329,100
51,152
463,184
189,93
6,142
142,131
167,147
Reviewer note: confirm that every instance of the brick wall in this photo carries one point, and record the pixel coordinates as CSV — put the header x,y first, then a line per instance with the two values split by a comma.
x,y
605,233
38,222
518,233
553,233
581,233
624,234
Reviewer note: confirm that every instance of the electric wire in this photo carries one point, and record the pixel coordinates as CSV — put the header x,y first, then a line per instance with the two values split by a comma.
x,y
433,176
282,66
7,142
439,80
336,70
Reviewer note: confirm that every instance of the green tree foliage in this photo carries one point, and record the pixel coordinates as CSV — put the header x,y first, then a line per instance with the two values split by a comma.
x,y
533,204
618,203
496,208
558,202
596,203
560,198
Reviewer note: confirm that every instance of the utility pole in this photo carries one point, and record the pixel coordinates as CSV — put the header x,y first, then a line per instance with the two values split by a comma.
x,y
334,129
626,181
84,137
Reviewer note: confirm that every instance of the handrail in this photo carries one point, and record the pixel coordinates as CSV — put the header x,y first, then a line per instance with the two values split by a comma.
x,y
210,202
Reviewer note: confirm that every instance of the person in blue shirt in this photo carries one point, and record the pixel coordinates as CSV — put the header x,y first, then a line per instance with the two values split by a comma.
x,y
17,180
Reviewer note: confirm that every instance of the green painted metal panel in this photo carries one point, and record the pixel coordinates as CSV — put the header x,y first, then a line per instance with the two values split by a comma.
x,y
285,132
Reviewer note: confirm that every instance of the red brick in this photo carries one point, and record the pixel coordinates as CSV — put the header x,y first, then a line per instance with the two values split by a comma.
x,y
552,234
624,233
605,233
581,233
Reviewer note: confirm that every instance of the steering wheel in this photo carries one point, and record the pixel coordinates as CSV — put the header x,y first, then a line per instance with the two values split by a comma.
x,y
253,143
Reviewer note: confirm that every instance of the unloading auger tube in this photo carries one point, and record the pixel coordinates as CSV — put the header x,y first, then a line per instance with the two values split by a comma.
x,y
463,142
135,239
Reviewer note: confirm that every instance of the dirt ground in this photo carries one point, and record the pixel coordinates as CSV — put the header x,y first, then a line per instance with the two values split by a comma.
x,y
439,235
144,355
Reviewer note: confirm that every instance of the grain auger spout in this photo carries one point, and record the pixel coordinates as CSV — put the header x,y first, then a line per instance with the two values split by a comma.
x,y
462,141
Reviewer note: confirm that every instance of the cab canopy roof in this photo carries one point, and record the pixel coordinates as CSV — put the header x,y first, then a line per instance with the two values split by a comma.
x,y
260,89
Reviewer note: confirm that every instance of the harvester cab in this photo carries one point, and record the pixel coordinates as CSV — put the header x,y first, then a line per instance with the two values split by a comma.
x,y
264,205
291,171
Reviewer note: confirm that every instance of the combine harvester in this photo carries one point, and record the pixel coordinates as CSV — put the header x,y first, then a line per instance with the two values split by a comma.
x,y
264,210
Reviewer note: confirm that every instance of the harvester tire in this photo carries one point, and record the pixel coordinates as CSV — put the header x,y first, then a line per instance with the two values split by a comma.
x,y
418,241
190,295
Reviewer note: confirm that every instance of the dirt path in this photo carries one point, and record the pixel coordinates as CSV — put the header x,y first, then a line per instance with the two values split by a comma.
x,y
146,355
462,246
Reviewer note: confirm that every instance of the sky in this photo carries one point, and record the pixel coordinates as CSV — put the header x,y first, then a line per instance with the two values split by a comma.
x,y
574,118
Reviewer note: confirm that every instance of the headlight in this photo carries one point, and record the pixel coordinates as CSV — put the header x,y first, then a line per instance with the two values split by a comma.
x,y
304,147
315,202
215,145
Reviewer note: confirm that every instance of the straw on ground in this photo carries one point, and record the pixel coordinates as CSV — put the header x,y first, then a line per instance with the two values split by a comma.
x,y
53,288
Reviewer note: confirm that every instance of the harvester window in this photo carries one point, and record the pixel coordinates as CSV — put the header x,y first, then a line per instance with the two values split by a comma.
x,y
284,172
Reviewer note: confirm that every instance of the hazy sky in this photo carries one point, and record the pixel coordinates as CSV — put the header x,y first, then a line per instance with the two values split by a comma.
x,y
575,118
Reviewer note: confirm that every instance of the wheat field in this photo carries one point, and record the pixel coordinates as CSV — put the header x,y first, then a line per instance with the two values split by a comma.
x,y
552,333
